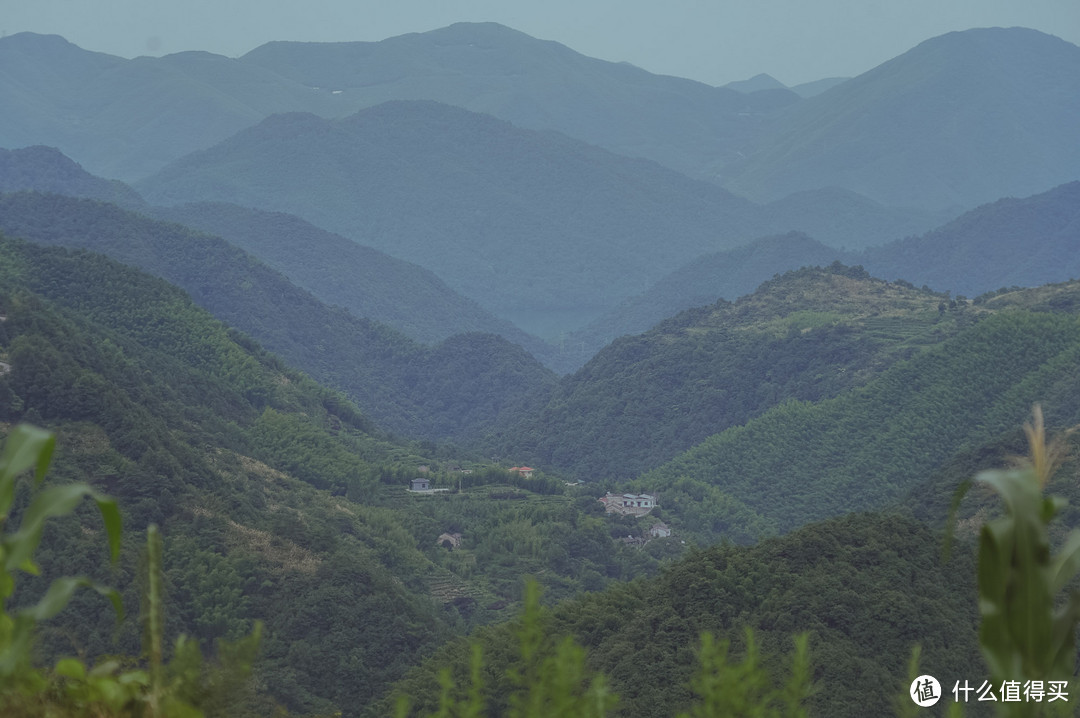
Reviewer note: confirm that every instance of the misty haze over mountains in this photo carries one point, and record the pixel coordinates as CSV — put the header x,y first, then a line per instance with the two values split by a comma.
x,y
538,229
304,309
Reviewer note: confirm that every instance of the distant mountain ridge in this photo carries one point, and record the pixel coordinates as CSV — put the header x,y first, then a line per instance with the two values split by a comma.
x,y
957,121
539,84
369,283
128,118
960,120
516,219
459,386
46,169
1023,242
526,223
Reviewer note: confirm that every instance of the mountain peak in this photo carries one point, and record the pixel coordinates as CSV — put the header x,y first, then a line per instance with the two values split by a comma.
x,y
757,83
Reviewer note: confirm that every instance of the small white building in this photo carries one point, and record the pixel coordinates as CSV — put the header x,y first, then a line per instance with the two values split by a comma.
x,y
636,504
659,530
420,485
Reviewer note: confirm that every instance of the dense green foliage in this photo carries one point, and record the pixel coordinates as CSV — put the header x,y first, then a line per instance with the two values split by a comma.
x,y
159,404
807,335
866,588
803,461
256,475
448,390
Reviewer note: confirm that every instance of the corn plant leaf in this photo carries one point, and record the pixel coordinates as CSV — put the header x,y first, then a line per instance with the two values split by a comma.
x,y
1066,563
26,446
60,592
55,501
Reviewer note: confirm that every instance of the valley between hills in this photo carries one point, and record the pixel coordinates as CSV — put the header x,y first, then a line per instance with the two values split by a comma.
x,y
368,329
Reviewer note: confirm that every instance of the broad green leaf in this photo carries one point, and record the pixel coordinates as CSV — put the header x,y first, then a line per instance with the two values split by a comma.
x,y
26,446
71,668
53,501
110,514
1067,562
60,592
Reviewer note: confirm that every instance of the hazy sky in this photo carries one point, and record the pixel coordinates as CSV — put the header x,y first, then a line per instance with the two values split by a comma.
x,y
715,41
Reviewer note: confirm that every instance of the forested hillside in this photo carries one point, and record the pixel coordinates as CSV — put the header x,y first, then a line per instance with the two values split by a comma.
x,y
1022,242
192,427
278,500
722,275
438,392
386,337
807,335
367,282
46,169
867,588
871,446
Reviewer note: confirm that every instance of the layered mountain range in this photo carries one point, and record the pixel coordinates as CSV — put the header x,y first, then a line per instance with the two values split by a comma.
x,y
959,120
333,253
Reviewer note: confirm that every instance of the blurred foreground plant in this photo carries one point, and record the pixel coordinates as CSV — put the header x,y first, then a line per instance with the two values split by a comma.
x,y
551,680
1028,629
184,688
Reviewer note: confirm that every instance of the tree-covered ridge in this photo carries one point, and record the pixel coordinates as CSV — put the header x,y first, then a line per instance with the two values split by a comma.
x,y
340,272
182,420
802,461
46,169
278,500
376,366
806,335
1023,242
1026,241
367,282
867,588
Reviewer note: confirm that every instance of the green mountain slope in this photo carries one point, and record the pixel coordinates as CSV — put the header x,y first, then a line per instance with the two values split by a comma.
x,y
375,365
871,446
807,335
961,119
722,275
867,588
278,501
193,427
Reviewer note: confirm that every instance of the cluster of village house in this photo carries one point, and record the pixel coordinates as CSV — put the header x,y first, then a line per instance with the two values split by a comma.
x,y
623,504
